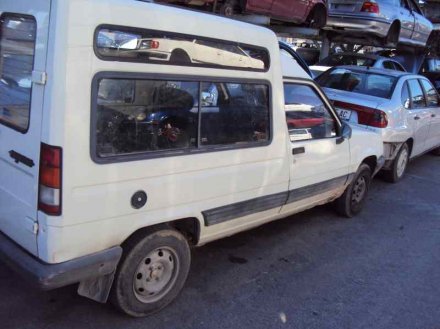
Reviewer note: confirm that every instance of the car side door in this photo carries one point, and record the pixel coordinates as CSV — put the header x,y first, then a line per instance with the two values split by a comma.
x,y
422,26
418,116
290,9
319,164
259,6
406,20
432,100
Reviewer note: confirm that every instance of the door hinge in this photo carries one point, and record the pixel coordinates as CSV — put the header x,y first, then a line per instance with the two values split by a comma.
x,y
35,228
39,77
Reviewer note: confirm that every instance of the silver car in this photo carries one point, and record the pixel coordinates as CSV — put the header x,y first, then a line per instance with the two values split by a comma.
x,y
382,22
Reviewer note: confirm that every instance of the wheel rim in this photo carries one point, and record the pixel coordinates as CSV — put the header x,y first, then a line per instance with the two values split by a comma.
x,y
402,161
156,275
359,190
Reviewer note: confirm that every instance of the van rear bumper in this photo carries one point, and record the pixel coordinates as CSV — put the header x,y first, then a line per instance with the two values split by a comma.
x,y
51,276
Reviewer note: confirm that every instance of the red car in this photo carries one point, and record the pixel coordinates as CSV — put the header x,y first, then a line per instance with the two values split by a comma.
x,y
312,13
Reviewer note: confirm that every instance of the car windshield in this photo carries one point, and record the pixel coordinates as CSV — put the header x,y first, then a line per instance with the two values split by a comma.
x,y
338,60
379,85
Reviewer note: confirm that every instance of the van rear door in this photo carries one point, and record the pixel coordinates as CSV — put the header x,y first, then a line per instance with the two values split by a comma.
x,y
23,45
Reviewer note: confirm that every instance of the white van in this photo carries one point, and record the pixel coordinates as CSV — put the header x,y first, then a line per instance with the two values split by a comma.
x,y
114,159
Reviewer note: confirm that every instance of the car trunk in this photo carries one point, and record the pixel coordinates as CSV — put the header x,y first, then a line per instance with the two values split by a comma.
x,y
351,106
23,25
345,6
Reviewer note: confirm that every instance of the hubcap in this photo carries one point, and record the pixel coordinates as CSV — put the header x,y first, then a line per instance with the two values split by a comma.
x,y
359,189
155,275
402,161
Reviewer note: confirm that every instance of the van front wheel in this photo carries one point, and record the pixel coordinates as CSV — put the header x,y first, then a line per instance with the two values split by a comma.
x,y
152,272
351,202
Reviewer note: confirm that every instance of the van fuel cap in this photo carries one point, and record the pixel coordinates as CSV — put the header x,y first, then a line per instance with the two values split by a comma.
x,y
139,199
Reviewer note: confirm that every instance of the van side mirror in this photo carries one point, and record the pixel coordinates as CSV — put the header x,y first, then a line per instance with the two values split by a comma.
x,y
345,133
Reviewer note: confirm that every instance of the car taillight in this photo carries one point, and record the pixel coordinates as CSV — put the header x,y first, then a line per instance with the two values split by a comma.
x,y
149,44
366,115
370,7
49,194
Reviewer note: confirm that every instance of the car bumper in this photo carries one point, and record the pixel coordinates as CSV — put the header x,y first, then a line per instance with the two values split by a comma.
x,y
357,23
51,276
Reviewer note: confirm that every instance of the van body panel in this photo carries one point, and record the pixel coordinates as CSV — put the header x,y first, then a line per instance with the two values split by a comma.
x,y
19,179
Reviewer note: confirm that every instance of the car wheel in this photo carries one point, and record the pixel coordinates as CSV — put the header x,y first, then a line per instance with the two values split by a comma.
x,y
351,202
152,272
392,38
317,18
398,166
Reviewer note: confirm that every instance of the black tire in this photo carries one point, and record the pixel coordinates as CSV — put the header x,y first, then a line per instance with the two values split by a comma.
x,y
228,8
165,246
351,202
436,151
393,175
317,18
392,38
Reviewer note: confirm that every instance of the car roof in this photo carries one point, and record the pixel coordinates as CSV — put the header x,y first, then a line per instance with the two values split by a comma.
x,y
381,71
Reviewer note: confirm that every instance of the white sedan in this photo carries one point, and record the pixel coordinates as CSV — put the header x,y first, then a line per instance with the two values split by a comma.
x,y
403,107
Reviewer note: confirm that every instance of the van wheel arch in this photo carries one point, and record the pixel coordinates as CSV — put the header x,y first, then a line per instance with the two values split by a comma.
x,y
188,227
180,56
371,162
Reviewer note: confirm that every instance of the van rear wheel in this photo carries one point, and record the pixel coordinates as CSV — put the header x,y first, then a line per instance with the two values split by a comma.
x,y
152,272
353,199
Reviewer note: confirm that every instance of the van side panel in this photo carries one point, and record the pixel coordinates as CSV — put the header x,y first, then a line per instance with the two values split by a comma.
x,y
97,213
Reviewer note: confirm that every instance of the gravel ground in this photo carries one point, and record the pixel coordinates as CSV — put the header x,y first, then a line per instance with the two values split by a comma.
x,y
312,270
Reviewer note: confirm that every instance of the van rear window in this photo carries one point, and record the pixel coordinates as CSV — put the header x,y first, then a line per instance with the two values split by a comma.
x,y
151,118
17,47
150,46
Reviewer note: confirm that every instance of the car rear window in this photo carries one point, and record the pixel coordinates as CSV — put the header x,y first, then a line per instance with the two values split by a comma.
x,y
17,47
159,47
372,84
338,60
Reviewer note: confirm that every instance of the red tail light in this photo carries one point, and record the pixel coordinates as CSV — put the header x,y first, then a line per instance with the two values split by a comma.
x,y
154,44
370,7
149,44
366,115
49,194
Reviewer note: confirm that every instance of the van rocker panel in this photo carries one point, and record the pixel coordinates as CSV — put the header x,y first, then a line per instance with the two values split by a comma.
x,y
51,276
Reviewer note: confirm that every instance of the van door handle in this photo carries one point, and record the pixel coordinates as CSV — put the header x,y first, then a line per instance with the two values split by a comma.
x,y
298,150
21,158
416,117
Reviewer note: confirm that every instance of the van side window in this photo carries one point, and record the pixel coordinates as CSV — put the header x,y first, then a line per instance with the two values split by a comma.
x,y
306,114
234,113
150,46
17,48
145,116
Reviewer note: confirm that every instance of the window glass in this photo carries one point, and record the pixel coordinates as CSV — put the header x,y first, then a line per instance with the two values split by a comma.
x,y
406,102
341,59
234,113
17,47
147,46
306,114
388,65
431,93
136,116
417,96
379,85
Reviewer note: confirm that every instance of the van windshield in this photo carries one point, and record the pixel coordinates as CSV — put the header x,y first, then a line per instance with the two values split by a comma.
x,y
372,84
17,46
